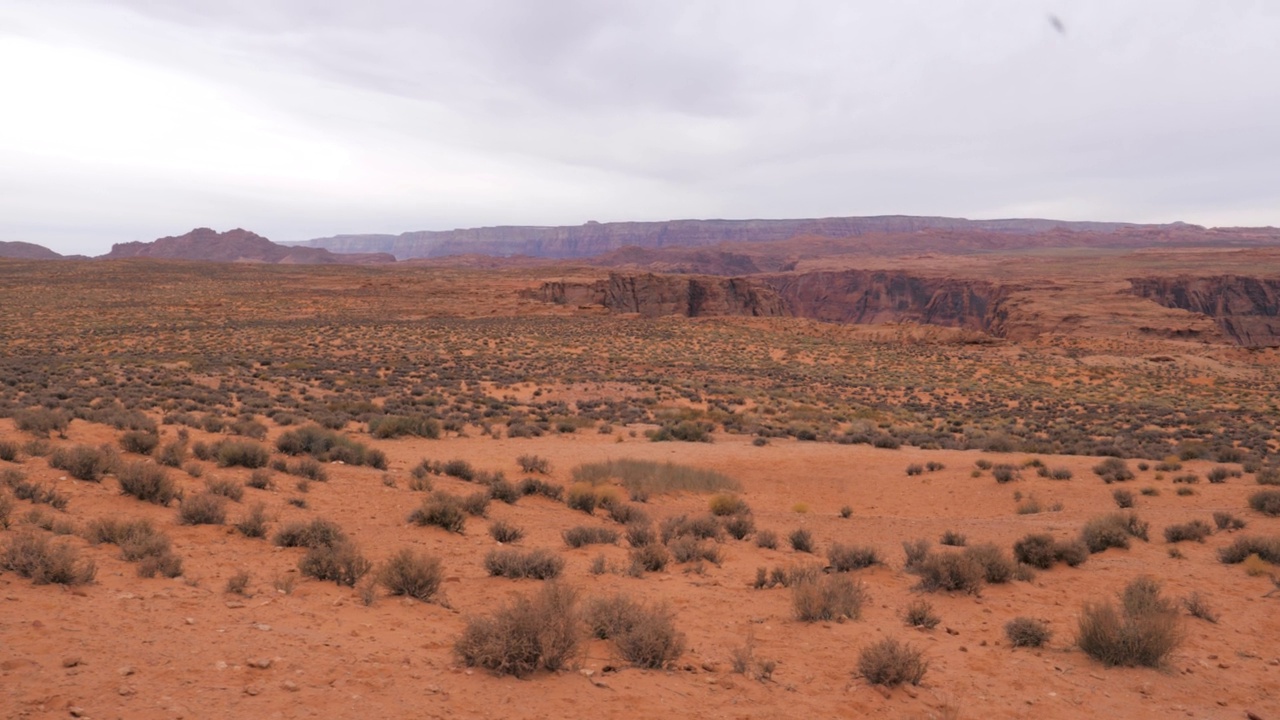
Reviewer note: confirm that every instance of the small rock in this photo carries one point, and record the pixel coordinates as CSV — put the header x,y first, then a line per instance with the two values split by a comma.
x,y
70,661
709,666
234,604
263,627
259,663
964,649
289,685
191,621
252,690
126,691
587,672
1222,703
127,670
76,711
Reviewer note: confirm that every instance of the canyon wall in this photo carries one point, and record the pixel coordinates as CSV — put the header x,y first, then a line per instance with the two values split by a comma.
x,y
1245,308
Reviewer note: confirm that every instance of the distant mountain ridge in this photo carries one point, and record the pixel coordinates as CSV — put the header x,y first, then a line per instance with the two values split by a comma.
x,y
591,239
26,251
236,245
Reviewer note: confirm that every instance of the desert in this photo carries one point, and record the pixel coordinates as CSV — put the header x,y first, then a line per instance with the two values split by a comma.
x,y
701,471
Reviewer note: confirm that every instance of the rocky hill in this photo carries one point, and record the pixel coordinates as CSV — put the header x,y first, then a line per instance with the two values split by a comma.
x,y
236,246
891,233
26,251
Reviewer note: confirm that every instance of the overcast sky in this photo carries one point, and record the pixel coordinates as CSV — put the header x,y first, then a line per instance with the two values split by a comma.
x,y
135,119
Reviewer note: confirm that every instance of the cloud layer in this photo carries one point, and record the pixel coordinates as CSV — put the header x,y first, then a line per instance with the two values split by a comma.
x,y
133,119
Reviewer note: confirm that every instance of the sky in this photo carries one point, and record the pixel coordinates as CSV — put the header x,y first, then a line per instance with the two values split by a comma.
x,y
136,119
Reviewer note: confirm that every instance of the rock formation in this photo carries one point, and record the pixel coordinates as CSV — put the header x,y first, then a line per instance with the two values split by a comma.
x,y
235,246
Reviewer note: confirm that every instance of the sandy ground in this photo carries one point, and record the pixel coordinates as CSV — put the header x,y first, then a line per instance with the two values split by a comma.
x,y
125,647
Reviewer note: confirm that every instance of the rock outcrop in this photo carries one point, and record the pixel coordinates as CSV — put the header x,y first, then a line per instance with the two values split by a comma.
x,y
1245,308
653,295
235,246
879,234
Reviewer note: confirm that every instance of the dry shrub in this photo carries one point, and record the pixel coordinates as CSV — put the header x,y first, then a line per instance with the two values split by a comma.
x,y
727,504
651,641
412,574
6,507
581,535
996,567
916,551
33,555
240,453
147,482
950,572
582,496
1112,531
640,534
649,558
83,462
317,533
1266,502
538,631
650,477
1267,549
1227,521
505,532
919,613
254,523
229,489
687,548
202,509
844,558
703,527
1198,606
536,486
830,597
539,564
740,526
534,464
342,563
442,510
767,539
953,539
627,514
1027,632
1113,470
238,583
1143,631
1196,530
801,540
476,504
891,662
139,441
1035,550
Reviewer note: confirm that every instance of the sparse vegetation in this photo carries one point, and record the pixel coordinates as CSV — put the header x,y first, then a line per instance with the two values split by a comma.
x,y
412,574
1027,632
535,632
538,564
1143,631
891,662
828,597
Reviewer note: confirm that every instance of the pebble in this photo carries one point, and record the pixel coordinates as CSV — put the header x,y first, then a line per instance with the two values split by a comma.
x,y
77,711
127,670
289,685
234,604
71,661
259,663
263,627
191,621
126,691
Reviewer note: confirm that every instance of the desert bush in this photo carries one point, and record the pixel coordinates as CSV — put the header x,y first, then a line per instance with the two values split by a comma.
x,y
139,441
1227,521
1218,475
319,532
649,558
1005,473
83,462
1027,632
1142,632
502,490
41,421
169,565
916,551
540,631
329,446
801,540
1060,473
828,597
442,510
654,477
1196,530
240,453
536,486
726,504
505,532
1071,552
702,527
1124,499
534,464
1112,530
1266,502
341,562
919,613
202,509
1268,476
539,564
1113,470
172,454
687,548
608,617
626,513
890,662
476,504
460,469
1186,479
308,468
767,539
582,497
229,489
740,526
844,558
148,482
997,567
412,574
394,426
6,508
953,539
8,451
1197,605
1035,550
915,469
581,535
34,556
254,522
650,640
260,479
641,534
1241,548
950,572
